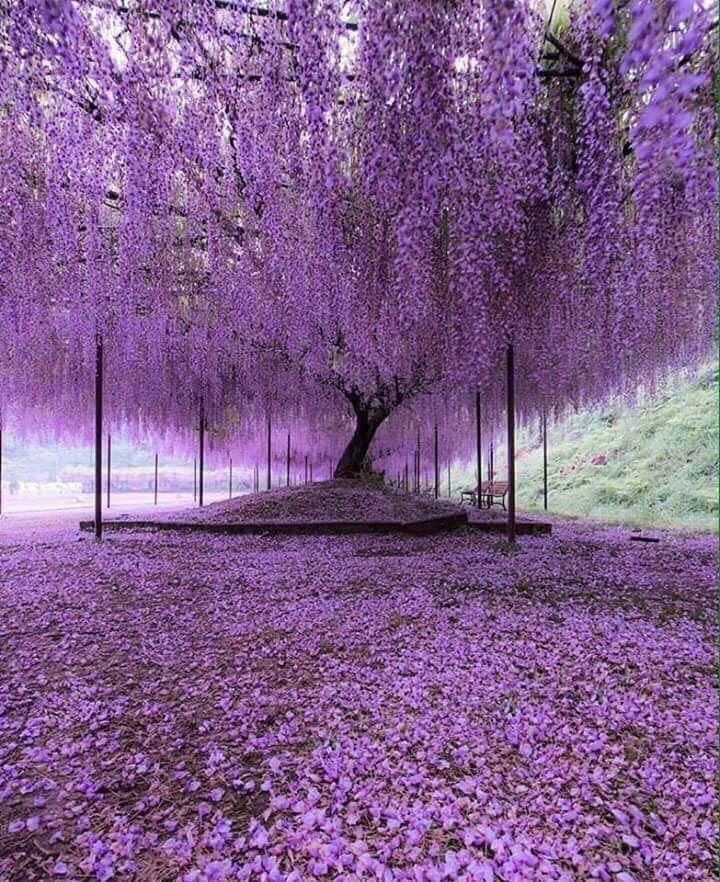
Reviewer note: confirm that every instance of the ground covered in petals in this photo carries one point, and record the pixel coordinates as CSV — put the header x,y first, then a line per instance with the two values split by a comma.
x,y
338,500
357,708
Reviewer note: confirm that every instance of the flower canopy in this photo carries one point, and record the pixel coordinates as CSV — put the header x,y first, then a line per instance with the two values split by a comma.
x,y
277,208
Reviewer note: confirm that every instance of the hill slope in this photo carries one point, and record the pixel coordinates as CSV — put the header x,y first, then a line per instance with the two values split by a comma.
x,y
660,468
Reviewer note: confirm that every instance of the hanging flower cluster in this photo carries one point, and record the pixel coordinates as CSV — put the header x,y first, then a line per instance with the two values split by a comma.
x,y
283,209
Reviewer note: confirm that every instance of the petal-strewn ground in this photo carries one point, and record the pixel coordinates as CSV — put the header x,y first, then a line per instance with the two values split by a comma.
x,y
212,708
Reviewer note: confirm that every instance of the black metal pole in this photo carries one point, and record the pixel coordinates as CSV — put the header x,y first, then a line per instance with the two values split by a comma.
x,y
407,480
288,460
230,482
437,465
195,479
510,389
544,440
201,468
269,452
98,436
418,461
306,468
108,470
449,484
478,450
311,478
156,478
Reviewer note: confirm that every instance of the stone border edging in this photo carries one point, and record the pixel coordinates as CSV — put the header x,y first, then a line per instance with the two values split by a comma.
x,y
289,528
426,526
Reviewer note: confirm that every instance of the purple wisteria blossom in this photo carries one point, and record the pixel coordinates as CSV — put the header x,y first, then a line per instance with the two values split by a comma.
x,y
339,216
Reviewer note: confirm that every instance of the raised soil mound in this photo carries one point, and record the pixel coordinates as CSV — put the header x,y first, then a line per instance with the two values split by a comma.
x,y
322,502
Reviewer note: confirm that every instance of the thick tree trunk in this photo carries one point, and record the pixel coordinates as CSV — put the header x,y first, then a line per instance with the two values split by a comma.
x,y
351,463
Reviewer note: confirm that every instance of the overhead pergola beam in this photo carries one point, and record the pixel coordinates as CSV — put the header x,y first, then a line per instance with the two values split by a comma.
x,y
563,51
569,73
264,12
242,8
574,64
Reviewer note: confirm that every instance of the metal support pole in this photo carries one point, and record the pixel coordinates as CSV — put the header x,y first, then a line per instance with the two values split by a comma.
x,y
449,484
510,389
98,436
230,481
156,477
544,442
269,452
331,470
407,480
418,461
306,468
437,465
311,478
478,447
109,449
201,468
195,480
288,461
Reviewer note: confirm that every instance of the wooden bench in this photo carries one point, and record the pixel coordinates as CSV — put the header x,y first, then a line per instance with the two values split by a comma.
x,y
494,490
491,492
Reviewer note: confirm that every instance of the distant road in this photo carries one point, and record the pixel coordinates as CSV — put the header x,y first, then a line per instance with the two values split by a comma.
x,y
120,503
38,515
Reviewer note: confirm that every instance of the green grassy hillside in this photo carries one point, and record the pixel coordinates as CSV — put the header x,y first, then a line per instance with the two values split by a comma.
x,y
661,463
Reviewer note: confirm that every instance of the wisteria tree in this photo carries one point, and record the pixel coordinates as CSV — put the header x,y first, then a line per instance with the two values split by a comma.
x,y
300,206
